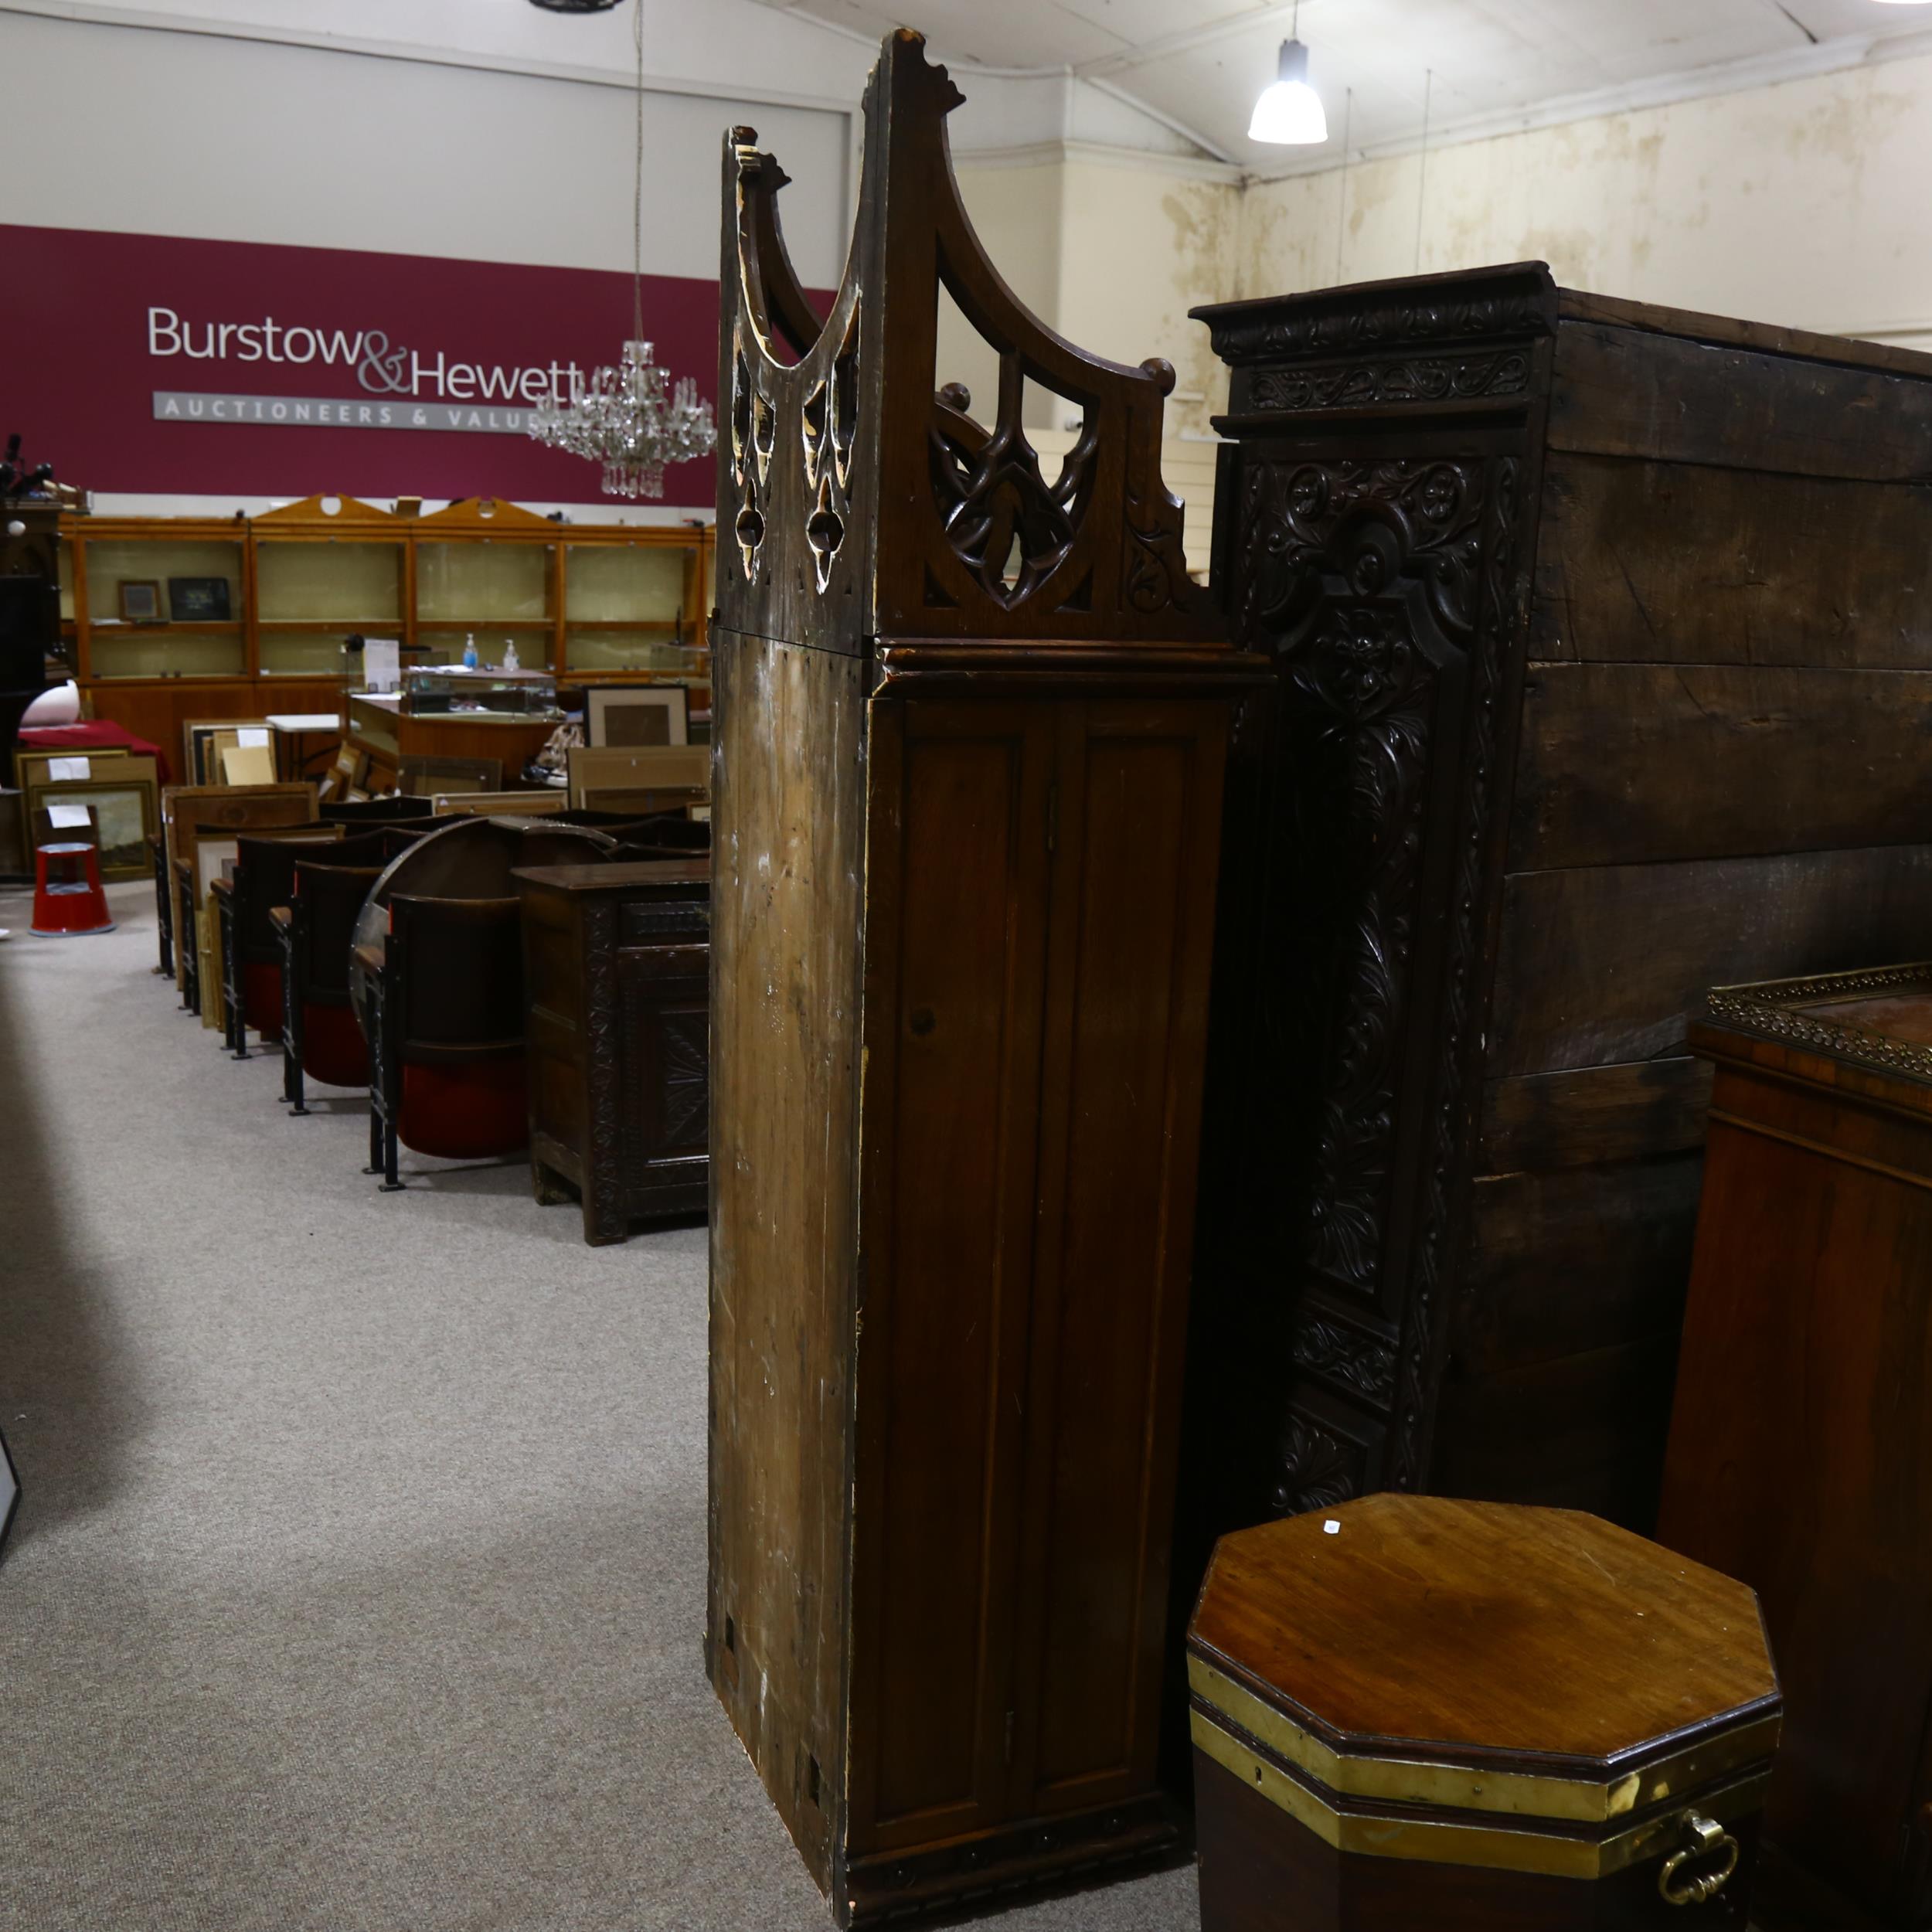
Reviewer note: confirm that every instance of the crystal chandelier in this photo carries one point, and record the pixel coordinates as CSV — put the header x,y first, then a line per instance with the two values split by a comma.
x,y
619,416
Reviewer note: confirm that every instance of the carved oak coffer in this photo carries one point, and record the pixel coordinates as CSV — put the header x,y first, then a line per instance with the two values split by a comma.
x,y
971,729
1600,636
1419,1712
617,1010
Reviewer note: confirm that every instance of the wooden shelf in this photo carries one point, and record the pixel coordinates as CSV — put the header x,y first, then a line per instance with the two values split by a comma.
x,y
485,624
154,703
119,627
308,626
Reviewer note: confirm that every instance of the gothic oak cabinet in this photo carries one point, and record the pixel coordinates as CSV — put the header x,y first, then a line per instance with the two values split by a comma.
x,y
967,770
1601,636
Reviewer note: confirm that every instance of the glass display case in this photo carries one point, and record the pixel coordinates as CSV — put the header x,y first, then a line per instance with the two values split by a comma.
x,y
449,691
244,617
168,604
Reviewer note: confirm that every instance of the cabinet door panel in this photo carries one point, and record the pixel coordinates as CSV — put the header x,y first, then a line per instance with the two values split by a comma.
x,y
958,873
1138,815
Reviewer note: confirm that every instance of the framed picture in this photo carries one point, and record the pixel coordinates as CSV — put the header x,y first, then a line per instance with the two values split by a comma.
x,y
649,778
141,601
32,768
204,740
198,600
124,794
622,716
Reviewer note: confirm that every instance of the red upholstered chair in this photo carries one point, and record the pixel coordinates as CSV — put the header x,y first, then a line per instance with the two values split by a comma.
x,y
322,1038
446,1015
251,948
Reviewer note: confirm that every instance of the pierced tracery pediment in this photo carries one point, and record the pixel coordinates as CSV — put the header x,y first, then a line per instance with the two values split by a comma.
x,y
942,526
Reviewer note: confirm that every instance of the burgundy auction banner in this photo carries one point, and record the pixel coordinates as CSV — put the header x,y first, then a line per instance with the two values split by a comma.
x,y
144,363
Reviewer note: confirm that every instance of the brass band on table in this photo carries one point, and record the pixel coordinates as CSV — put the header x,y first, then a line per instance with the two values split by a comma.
x,y
1407,1780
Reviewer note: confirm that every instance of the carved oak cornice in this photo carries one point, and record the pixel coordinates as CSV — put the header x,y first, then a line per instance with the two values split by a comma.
x,y
1485,305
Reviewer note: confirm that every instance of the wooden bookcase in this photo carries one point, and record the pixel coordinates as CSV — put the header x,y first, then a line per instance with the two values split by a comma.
x,y
971,725
597,604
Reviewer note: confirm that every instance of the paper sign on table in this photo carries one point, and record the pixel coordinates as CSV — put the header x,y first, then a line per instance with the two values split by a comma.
x,y
381,664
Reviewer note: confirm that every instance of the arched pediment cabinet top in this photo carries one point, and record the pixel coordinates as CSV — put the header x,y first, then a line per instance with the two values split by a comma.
x,y
855,506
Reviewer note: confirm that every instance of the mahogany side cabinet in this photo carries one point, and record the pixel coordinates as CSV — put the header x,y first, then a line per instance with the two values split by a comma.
x,y
1801,1444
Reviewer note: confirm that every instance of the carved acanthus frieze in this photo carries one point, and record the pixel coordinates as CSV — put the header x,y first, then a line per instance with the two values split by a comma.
x,y
1424,1319
1361,1363
1316,1467
1409,378
1364,578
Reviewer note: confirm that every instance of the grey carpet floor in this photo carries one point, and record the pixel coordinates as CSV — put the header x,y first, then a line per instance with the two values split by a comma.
x,y
358,1580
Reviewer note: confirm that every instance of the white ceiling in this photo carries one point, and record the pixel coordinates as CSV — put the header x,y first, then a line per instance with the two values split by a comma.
x,y
1199,64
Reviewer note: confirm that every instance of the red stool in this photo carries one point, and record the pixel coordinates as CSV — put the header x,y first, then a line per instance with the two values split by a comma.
x,y
67,897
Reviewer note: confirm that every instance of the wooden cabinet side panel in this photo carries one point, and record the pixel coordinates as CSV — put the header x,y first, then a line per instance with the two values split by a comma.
x,y
1137,834
1643,562
788,819
1624,392
1604,964
956,936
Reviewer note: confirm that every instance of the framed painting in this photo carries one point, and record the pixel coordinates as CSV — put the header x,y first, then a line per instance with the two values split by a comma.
x,y
124,793
628,717
203,739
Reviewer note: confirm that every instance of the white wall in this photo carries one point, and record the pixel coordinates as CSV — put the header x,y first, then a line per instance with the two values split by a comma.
x,y
1807,204
122,128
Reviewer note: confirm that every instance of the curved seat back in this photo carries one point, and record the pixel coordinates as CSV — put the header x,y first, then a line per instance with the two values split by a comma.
x,y
459,977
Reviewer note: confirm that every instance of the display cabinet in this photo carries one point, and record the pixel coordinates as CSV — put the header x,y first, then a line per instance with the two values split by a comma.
x,y
327,568
184,618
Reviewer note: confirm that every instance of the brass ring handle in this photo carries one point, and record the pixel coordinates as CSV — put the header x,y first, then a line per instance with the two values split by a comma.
x,y
1707,1838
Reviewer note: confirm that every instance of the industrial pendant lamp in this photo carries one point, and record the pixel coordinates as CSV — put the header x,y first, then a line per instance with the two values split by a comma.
x,y
1289,113
629,418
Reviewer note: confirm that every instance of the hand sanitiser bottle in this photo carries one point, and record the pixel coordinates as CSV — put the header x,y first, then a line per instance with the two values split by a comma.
x,y
511,662
469,652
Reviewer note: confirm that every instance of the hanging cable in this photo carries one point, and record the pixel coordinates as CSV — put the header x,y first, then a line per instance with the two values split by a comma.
x,y
1422,183
1342,210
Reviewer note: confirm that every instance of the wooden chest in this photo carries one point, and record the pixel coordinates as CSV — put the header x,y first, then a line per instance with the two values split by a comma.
x,y
617,1017
1412,1711
1601,636
1801,1448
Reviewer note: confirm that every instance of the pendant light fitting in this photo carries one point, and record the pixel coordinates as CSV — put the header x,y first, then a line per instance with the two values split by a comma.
x,y
1289,114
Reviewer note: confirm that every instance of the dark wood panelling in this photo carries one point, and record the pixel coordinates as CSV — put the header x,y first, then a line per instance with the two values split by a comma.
x,y
1622,762
1564,1263
1587,1425
1603,964
947,1308
1621,392
1676,562
1138,826
1770,339
1538,1121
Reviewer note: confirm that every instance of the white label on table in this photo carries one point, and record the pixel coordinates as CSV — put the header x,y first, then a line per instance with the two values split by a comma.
x,y
66,770
253,738
381,664
67,817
